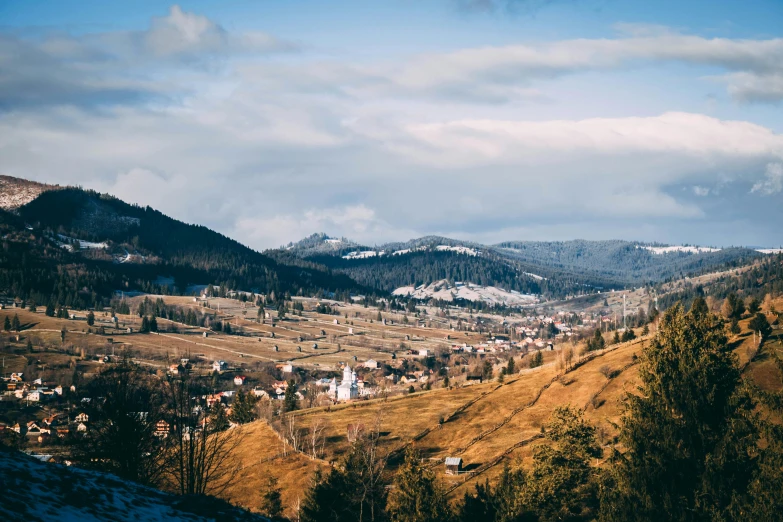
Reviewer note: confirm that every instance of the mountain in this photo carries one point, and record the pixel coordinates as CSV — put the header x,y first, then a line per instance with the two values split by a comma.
x,y
77,247
34,490
16,192
552,269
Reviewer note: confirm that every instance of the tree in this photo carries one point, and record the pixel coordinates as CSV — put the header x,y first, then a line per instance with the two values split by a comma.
x,y
446,381
629,335
145,325
7,324
687,432
754,306
416,496
735,327
760,324
200,459
218,418
562,484
646,330
49,310
153,324
271,500
15,324
616,338
122,438
90,319
243,408
537,360
486,371
510,369
597,342
290,402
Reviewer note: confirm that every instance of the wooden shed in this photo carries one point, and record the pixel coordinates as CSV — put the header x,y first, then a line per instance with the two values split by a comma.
x,y
453,465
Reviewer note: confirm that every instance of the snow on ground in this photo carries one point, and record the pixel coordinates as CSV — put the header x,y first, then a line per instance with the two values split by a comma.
x,y
441,248
365,254
679,248
333,241
770,250
534,276
458,249
467,291
66,242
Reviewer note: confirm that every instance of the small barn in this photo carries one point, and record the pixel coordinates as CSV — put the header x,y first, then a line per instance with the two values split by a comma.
x,y
453,465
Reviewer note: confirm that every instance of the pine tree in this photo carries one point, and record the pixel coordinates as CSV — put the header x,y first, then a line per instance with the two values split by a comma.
x,y
7,324
563,484
687,432
243,408
289,400
153,324
50,310
416,495
90,319
271,500
616,338
15,324
510,369
145,325
218,418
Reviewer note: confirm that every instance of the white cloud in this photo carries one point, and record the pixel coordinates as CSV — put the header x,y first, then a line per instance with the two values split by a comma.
x,y
773,184
701,191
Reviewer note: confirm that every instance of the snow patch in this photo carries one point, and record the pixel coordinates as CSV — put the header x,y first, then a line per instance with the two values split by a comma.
x,y
469,292
770,250
679,248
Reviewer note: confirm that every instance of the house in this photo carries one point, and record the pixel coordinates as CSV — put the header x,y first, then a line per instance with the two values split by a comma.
x,y
16,377
214,399
424,352
453,465
174,369
58,389
82,417
162,429
34,396
371,364
259,392
239,380
81,427
287,368
218,366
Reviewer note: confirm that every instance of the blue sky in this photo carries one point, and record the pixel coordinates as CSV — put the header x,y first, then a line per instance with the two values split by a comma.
x,y
477,119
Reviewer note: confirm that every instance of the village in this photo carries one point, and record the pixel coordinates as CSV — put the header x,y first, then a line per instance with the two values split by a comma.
x,y
327,352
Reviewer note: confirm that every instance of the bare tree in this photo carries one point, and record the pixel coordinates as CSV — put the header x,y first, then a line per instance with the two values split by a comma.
x,y
201,458
316,437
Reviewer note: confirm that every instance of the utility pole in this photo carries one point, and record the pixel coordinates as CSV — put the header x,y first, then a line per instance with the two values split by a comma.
x,y
624,327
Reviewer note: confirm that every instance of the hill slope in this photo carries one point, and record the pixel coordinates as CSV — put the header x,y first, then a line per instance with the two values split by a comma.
x,y
33,490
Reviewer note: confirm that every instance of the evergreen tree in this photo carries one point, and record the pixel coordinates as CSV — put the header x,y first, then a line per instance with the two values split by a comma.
x,y
145,325
90,319
271,500
510,369
50,310
218,418
597,342
687,433
243,408
563,484
6,324
290,402
616,338
416,495
760,324
629,335
153,324
15,324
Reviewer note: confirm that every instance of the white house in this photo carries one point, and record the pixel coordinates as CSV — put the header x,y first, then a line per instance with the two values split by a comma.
x,y
218,366
259,392
287,368
239,380
371,364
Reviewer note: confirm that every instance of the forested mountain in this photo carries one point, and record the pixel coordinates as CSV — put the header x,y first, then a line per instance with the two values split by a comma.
x,y
75,247
553,269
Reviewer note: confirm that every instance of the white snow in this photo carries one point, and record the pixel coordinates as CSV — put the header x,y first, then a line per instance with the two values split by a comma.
x,y
770,250
441,248
85,245
365,254
458,249
333,241
679,248
444,291
534,276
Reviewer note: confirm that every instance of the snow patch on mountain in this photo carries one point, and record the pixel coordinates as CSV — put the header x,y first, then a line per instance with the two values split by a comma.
x,y
445,291
364,254
658,250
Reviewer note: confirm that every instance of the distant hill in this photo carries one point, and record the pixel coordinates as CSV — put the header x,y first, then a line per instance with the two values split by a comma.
x,y
34,490
76,247
553,269
15,192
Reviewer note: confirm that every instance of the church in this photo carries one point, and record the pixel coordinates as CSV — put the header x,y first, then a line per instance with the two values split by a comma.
x,y
348,388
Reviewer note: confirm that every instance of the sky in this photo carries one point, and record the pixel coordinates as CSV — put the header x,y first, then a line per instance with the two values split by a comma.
x,y
481,120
